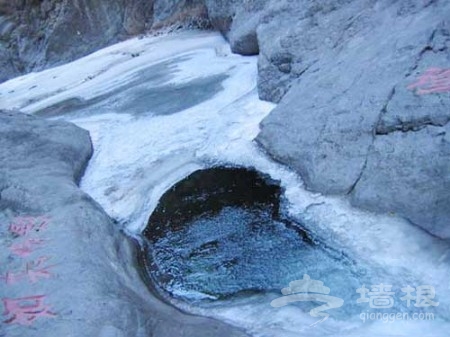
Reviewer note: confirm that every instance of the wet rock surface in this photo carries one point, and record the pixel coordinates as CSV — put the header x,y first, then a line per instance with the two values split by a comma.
x,y
66,269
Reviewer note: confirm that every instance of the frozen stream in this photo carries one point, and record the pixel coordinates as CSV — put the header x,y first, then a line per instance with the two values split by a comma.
x,y
160,108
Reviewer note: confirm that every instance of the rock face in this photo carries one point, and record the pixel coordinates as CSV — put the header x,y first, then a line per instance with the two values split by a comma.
x,y
66,269
187,13
238,21
38,34
369,114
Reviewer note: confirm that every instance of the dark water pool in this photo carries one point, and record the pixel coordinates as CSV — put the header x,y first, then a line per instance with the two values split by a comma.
x,y
220,233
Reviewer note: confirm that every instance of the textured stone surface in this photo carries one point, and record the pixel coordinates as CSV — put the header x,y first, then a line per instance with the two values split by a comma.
x,y
184,14
238,21
292,37
408,173
36,34
370,80
222,12
80,264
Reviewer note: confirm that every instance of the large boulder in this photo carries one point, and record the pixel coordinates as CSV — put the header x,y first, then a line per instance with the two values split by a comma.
x,y
65,268
368,114
238,22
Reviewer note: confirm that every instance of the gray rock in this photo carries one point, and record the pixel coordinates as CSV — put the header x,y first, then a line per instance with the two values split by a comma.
x,y
6,64
242,36
87,276
294,36
355,92
276,30
411,108
408,167
238,22
182,14
39,34
408,173
221,13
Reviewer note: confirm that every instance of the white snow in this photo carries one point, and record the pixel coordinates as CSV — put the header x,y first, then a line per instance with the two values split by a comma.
x,y
137,158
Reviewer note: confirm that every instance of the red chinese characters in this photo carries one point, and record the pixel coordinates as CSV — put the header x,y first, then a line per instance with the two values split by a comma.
x,y
433,80
22,226
27,247
34,271
25,310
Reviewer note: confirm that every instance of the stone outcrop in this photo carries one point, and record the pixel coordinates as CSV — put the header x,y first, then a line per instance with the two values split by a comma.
x,y
66,269
368,115
38,34
237,21
185,13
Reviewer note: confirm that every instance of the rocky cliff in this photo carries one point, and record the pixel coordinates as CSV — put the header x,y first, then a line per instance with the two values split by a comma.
x,y
38,34
367,106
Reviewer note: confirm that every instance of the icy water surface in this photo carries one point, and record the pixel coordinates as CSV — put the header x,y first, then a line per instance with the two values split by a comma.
x,y
219,232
